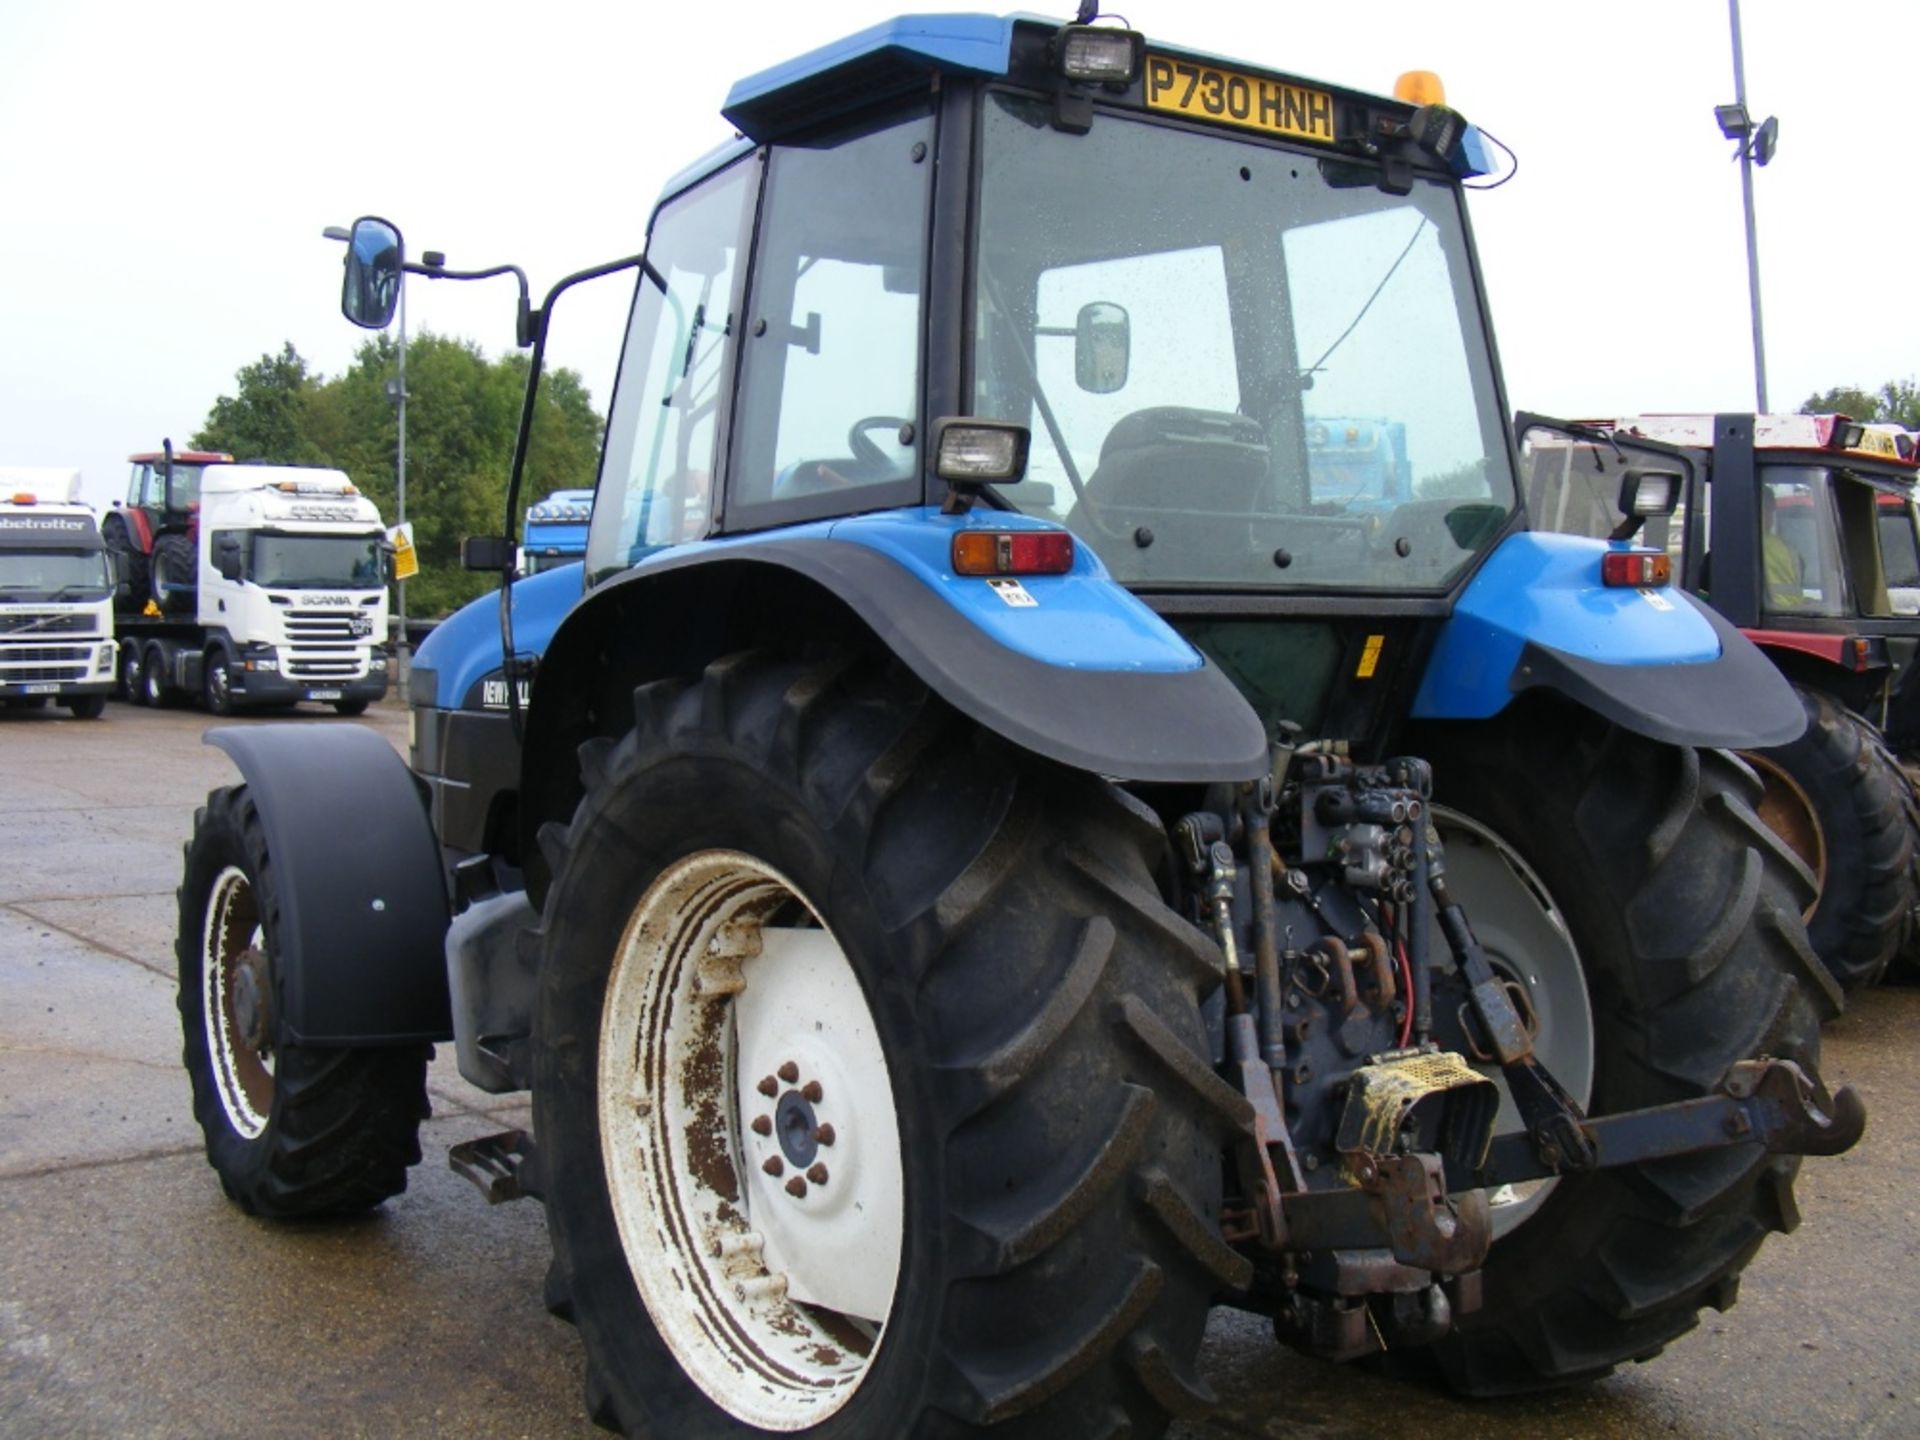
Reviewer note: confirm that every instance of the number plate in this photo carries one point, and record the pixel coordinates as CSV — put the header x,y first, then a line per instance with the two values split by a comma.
x,y
323,694
1205,92
40,687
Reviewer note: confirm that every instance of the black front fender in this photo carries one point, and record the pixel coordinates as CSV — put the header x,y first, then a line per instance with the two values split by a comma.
x,y
361,956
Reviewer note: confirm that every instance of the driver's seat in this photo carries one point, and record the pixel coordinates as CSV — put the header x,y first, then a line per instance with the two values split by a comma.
x,y
1163,468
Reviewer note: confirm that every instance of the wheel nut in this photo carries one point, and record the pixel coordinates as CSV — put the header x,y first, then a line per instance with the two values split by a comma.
x,y
812,1091
818,1174
763,1125
768,1087
789,1072
797,1188
824,1135
773,1165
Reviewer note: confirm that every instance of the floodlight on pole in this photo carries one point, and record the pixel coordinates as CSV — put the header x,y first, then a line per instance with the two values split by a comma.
x,y
1756,146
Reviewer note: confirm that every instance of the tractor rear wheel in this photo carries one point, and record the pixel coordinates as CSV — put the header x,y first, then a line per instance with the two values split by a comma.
x,y
1838,799
292,1130
869,1075
1685,915
117,536
175,574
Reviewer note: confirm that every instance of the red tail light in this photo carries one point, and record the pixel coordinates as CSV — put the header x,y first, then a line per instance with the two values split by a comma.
x,y
1640,569
1016,552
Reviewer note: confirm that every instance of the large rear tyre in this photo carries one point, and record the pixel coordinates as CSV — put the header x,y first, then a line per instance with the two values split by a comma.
x,y
1837,797
117,536
804,902
175,575
1686,918
291,1130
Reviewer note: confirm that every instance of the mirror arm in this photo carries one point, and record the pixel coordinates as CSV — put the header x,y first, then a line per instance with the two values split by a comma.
x,y
537,325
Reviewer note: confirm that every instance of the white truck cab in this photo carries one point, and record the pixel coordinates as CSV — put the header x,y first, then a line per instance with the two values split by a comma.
x,y
56,595
290,599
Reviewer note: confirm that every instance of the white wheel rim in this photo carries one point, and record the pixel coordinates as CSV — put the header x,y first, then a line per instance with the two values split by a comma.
x,y
1527,939
240,1073
773,1303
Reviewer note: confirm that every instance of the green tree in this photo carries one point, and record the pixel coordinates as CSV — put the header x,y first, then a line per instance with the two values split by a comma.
x,y
463,413
1895,402
266,418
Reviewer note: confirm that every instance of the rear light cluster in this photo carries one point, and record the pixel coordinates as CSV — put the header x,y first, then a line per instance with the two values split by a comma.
x,y
1640,569
1015,552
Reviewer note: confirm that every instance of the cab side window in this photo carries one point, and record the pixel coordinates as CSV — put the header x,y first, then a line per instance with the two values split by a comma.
x,y
830,378
656,477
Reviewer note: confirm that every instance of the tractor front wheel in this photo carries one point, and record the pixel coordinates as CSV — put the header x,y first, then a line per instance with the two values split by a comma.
x,y
870,1078
291,1130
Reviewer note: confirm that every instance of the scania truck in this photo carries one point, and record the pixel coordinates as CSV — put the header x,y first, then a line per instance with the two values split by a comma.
x,y
56,595
288,600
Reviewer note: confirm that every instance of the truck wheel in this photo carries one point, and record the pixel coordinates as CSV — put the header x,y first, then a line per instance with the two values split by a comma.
x,y
134,564
1835,796
155,690
87,707
216,685
349,708
133,686
1685,917
872,1092
175,588
292,1130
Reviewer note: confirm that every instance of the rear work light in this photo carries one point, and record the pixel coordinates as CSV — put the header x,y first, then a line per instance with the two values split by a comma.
x,y
1640,569
1015,552
1099,56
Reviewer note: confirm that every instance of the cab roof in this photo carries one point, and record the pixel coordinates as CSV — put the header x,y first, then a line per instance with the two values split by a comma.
x,y
182,457
1834,433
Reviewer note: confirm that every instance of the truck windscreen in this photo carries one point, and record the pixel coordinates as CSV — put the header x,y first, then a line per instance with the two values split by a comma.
x,y
49,574
303,561
1241,364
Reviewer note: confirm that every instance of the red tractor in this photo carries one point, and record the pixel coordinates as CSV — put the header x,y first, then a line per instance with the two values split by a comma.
x,y
153,530
1798,529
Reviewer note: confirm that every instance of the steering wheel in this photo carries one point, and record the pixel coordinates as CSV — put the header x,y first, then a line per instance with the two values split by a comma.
x,y
867,454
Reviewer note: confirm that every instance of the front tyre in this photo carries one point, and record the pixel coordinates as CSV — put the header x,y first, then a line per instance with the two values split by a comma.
x,y
87,707
1686,918
291,1130
869,1076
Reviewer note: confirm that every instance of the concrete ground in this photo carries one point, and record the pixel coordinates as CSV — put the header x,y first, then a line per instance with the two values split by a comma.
x,y
135,1301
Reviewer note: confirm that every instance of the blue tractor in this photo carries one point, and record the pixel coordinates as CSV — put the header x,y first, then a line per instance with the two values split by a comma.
x,y
981,862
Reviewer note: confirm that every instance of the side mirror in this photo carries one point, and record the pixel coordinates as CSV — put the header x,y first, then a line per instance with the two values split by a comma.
x,y
117,574
375,256
226,558
1102,347
487,553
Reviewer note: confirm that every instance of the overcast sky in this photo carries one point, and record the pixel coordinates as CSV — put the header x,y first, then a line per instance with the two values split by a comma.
x,y
166,171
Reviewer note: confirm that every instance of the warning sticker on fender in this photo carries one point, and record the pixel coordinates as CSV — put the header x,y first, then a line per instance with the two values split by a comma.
x,y
1014,593
1656,599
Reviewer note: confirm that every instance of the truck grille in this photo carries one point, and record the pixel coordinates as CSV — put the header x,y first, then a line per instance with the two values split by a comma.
x,y
321,645
24,663
48,622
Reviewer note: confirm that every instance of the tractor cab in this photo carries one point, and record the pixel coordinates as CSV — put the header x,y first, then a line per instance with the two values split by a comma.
x,y
1185,287
164,487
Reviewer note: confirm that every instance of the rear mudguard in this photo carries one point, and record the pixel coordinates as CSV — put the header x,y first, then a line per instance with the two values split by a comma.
x,y
1070,666
359,957
1654,661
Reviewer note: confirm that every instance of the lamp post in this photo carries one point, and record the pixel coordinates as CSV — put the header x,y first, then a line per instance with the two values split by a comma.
x,y
1756,146
396,392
